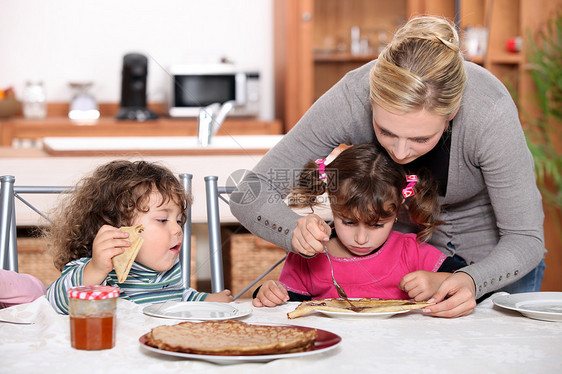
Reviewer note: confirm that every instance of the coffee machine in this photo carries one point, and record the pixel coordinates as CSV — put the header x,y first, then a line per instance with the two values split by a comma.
x,y
133,89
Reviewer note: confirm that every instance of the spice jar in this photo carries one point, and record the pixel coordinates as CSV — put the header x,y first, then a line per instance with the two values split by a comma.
x,y
92,317
34,100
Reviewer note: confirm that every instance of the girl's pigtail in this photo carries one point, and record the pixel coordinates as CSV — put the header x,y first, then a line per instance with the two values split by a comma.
x,y
311,184
423,206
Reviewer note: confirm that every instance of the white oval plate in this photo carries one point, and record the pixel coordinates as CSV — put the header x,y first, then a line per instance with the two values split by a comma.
x,y
196,310
546,306
382,315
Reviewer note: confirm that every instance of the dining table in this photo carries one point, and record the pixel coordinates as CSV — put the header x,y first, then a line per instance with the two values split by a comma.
x,y
492,339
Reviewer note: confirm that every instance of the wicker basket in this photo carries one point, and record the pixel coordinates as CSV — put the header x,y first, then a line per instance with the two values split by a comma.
x,y
34,259
249,258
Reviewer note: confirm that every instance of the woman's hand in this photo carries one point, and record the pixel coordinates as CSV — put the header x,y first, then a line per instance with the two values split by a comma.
x,y
225,296
421,285
108,243
271,293
455,298
309,234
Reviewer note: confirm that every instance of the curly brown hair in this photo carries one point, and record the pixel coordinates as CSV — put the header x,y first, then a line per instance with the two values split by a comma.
x,y
112,195
364,183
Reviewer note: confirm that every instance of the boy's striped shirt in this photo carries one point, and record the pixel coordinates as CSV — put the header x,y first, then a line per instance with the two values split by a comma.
x,y
142,286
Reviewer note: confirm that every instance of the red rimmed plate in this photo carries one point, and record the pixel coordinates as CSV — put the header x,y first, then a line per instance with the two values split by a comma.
x,y
325,342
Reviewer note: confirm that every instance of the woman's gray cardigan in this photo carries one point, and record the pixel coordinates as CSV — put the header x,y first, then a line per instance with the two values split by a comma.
x,y
492,208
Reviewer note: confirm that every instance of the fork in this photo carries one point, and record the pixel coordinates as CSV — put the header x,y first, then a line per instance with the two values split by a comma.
x,y
341,292
15,322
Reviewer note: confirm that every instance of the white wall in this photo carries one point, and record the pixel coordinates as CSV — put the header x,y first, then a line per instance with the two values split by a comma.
x,y
63,40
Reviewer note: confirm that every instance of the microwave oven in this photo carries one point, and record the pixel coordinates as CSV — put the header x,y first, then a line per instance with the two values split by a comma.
x,y
197,86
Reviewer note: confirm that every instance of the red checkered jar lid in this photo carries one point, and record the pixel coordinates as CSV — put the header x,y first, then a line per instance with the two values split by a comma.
x,y
95,292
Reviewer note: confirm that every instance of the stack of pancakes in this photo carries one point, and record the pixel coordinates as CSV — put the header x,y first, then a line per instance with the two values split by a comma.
x,y
231,338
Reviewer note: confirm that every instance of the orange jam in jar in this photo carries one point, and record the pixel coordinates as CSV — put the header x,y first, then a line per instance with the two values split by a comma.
x,y
92,317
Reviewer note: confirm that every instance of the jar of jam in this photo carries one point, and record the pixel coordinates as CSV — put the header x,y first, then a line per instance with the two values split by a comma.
x,y
92,316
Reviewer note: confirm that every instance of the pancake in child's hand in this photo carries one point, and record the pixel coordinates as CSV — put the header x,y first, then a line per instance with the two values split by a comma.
x,y
231,338
123,262
364,305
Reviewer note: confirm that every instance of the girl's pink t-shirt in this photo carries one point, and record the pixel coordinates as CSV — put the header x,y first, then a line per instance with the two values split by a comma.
x,y
376,275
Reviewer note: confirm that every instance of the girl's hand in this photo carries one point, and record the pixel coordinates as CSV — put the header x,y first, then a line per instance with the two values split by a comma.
x,y
421,285
271,293
108,243
309,234
225,296
455,298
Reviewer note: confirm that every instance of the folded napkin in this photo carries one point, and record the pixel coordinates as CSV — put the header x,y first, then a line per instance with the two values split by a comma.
x,y
35,312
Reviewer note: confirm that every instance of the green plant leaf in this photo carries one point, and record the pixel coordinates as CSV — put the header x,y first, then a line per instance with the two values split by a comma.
x,y
545,62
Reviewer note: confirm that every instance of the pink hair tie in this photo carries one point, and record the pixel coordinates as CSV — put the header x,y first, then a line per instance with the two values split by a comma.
x,y
321,168
409,190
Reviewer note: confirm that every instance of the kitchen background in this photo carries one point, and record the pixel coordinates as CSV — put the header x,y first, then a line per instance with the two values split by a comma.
x,y
85,40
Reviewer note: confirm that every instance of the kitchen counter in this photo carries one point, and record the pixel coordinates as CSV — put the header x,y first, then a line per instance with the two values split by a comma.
x,y
159,145
21,128
36,167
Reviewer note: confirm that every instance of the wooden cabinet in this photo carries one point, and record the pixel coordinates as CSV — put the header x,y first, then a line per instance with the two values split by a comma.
x,y
505,20
313,46
15,130
293,56
313,40
317,42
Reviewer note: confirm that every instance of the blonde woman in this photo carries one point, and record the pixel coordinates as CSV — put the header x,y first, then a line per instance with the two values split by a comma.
x,y
426,107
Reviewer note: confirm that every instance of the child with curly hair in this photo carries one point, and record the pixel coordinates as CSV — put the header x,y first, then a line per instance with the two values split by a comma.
x,y
85,234
365,189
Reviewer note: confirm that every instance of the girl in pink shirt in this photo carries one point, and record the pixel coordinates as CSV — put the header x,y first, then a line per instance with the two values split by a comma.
x,y
365,189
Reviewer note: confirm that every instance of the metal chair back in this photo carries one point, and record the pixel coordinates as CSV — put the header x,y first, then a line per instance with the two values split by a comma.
x,y
8,234
214,192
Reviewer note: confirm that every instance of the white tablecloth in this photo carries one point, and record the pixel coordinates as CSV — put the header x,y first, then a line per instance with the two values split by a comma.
x,y
490,340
